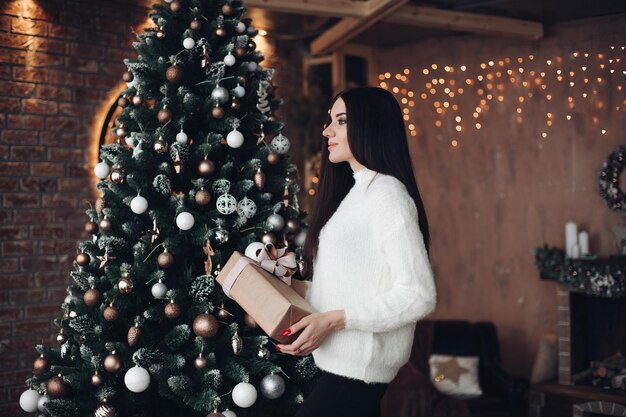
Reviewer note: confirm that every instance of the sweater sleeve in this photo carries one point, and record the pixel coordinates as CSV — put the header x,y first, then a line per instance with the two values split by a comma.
x,y
412,296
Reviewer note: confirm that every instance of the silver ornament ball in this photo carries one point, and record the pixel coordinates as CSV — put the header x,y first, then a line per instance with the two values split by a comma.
x,y
275,222
221,236
272,386
220,94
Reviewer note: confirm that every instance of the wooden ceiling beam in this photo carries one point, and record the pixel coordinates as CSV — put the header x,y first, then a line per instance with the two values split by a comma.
x,y
348,28
483,24
335,8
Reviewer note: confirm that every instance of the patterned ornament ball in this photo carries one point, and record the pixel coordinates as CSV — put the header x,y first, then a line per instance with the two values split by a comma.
x,y
235,138
205,325
112,362
280,144
273,158
134,335
118,176
203,197
236,343
185,220
164,115
272,386
139,204
246,208
92,297
137,379
226,204
159,290
275,222
29,400
105,410
206,167
56,387
244,394
221,236
41,365
111,313
91,228
83,259
174,74
102,170
229,413
172,310
165,259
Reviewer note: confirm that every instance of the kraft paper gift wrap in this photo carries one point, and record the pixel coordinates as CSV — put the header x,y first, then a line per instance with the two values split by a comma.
x,y
273,304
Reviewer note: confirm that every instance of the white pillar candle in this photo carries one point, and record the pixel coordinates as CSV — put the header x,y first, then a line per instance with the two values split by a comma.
x,y
583,242
571,237
575,251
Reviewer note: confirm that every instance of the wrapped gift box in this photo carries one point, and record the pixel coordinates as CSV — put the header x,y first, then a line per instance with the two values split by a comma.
x,y
273,304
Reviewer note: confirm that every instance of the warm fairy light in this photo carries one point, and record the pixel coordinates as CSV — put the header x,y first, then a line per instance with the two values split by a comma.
x,y
491,63
438,123
406,117
548,97
311,192
478,126
463,67
404,100
454,143
455,107
410,94
387,75
479,78
458,128
383,85
413,133
603,131
396,89
433,91
381,77
500,99
425,71
411,126
568,117
519,110
549,62
434,66
439,110
483,65
549,123
315,180
531,57
424,96
458,119
406,71
475,115
262,32
544,135
520,60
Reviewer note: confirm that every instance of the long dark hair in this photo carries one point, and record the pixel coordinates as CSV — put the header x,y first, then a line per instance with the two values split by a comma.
x,y
377,139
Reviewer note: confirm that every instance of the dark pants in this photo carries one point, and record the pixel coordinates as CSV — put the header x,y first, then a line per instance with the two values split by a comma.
x,y
337,396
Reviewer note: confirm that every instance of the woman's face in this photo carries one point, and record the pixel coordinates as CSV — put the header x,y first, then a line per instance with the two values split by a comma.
x,y
337,134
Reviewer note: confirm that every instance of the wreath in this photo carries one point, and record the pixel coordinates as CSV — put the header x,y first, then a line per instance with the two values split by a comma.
x,y
609,180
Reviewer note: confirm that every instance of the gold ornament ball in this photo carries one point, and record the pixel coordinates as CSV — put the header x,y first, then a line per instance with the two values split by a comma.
x,y
83,259
112,363
165,260
96,380
240,52
137,100
217,112
92,297
273,158
250,322
105,224
174,74
206,168
172,311
123,102
105,410
205,325
125,285
118,176
164,115
160,146
127,76
269,238
175,6
220,31
227,9
111,313
203,197
41,365
199,362
56,387
196,24
134,334
91,228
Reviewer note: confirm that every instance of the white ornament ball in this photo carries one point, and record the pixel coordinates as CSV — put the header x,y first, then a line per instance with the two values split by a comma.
x,y
139,205
229,60
169,1
244,394
280,144
102,170
189,43
42,402
226,204
253,248
275,222
272,386
246,208
252,66
185,220
234,138
181,137
239,91
220,94
159,290
137,379
30,397
229,413
300,239
240,27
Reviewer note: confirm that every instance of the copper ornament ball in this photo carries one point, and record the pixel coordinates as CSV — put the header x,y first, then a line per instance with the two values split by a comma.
x,y
127,76
227,9
137,100
105,410
118,176
222,314
217,112
196,24
174,74
250,321
220,31
269,238
41,365
112,363
83,259
123,102
205,325
111,313
273,158
175,6
240,52
56,387
105,224
165,260
206,167
92,297
216,414
164,115
199,362
96,380
251,45
293,225
203,197
172,311
91,228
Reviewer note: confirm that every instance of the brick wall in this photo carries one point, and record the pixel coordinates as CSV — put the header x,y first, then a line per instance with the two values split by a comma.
x,y
59,59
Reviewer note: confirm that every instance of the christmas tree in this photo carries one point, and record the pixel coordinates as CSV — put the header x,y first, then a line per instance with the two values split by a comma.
x,y
199,170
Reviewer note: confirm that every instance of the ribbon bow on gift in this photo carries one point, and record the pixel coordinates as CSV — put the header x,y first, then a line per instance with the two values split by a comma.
x,y
277,262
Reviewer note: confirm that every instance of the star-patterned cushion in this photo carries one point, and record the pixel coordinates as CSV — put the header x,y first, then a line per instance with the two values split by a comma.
x,y
456,376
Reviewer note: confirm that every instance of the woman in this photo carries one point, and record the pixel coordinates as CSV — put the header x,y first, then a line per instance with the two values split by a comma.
x,y
367,250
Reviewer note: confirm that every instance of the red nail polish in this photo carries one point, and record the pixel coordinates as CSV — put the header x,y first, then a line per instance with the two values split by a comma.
x,y
277,347
286,332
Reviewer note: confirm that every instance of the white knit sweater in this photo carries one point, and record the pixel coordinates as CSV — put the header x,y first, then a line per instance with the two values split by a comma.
x,y
372,263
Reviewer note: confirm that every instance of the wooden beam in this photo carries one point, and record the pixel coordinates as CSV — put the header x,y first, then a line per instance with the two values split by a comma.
x,y
466,22
335,8
349,27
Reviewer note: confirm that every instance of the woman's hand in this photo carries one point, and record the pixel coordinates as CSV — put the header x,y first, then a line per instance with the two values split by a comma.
x,y
315,329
